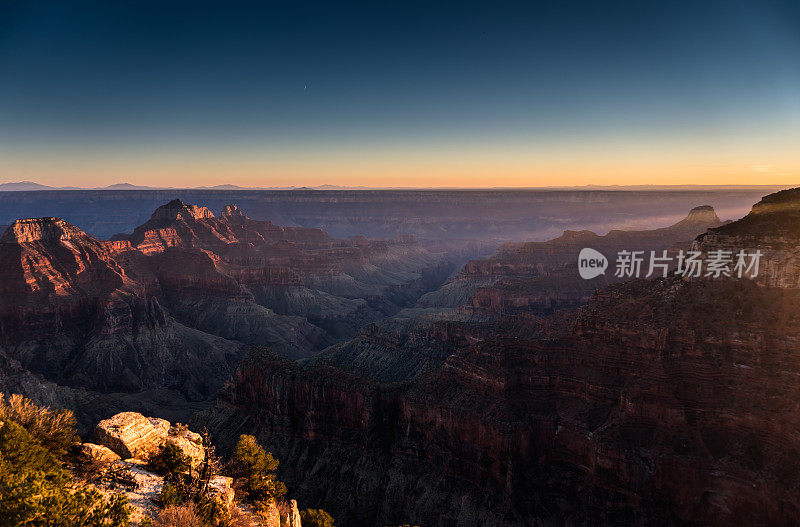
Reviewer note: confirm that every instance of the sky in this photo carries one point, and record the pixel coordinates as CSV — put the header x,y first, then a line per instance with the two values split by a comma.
x,y
400,94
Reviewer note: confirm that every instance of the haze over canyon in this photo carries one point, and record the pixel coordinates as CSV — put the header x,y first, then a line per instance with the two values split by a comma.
x,y
446,369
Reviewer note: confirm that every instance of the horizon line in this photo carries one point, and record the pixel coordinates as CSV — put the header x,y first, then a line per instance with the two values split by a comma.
x,y
31,186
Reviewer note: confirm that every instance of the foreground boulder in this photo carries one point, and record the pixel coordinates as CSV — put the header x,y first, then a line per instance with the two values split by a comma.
x,y
220,488
136,438
272,516
99,453
132,435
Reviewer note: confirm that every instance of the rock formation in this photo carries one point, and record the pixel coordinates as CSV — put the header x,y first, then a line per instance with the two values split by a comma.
x,y
542,277
99,454
664,401
176,304
770,227
132,435
293,516
127,442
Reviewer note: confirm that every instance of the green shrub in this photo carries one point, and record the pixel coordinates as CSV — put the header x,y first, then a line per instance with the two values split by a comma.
x,y
35,490
54,429
316,518
169,496
170,460
213,512
255,468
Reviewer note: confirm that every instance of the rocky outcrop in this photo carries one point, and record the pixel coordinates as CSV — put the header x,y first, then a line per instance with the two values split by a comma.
x,y
179,224
129,441
221,488
293,516
771,228
272,516
45,229
99,454
132,435
190,443
50,260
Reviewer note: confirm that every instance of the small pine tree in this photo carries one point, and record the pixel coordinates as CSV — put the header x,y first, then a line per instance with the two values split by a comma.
x,y
169,496
316,518
170,460
256,469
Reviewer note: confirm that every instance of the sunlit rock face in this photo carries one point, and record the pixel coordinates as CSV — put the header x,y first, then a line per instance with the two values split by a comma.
x,y
773,227
182,225
49,257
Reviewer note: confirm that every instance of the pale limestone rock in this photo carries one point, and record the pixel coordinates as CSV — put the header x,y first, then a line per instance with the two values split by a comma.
x,y
144,497
221,488
131,435
194,437
99,453
190,443
272,517
294,515
159,423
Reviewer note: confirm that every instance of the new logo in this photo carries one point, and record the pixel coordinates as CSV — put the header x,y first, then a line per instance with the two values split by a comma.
x,y
591,263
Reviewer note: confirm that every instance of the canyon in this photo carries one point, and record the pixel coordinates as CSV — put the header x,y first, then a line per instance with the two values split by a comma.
x,y
662,401
176,304
424,380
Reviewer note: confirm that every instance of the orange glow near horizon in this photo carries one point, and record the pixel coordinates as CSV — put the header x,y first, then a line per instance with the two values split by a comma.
x,y
453,167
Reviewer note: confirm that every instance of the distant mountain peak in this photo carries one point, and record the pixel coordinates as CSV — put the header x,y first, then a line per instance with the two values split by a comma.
x,y
177,209
41,229
232,211
125,186
21,186
702,214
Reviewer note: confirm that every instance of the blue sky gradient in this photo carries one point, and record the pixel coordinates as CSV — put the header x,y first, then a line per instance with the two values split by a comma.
x,y
272,92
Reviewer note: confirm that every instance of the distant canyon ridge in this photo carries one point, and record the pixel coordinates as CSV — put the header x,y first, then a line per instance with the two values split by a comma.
x,y
495,215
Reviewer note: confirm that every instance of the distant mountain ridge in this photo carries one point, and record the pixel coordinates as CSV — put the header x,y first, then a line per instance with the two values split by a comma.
x,y
22,186
29,186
